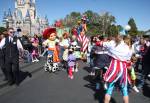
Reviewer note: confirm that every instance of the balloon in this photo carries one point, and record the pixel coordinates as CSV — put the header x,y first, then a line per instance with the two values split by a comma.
x,y
127,27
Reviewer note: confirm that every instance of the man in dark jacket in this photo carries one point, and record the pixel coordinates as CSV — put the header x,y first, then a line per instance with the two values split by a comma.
x,y
2,60
12,47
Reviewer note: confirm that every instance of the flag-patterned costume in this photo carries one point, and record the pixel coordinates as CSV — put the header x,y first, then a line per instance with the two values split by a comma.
x,y
84,42
117,70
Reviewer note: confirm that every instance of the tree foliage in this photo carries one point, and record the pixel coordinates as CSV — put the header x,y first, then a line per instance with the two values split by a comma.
x,y
133,31
2,29
71,19
103,23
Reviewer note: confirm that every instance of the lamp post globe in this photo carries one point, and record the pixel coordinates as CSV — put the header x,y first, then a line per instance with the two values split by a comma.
x,y
127,28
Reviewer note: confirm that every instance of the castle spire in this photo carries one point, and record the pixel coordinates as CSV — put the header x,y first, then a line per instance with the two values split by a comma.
x,y
4,16
33,1
27,13
9,13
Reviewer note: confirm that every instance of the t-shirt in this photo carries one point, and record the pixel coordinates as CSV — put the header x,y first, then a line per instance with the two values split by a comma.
x,y
65,42
49,43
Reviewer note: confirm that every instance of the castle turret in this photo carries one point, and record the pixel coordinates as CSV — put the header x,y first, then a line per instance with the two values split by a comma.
x,y
24,17
27,22
9,19
27,4
46,21
27,18
5,19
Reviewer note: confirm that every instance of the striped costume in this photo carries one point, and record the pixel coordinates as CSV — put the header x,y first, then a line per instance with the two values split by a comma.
x,y
84,42
117,70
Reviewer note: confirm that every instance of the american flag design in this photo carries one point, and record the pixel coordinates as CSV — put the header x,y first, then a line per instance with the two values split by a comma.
x,y
117,71
84,42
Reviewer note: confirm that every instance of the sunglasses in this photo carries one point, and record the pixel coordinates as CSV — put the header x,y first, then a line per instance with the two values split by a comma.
x,y
11,32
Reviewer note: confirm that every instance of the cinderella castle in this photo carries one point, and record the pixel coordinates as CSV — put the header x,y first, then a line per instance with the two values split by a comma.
x,y
24,18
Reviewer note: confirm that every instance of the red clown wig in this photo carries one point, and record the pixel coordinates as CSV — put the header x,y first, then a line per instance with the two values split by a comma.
x,y
48,31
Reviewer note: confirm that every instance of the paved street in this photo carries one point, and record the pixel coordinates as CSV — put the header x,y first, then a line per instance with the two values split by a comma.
x,y
44,87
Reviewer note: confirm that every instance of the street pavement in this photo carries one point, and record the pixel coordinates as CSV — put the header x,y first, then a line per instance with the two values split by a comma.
x,y
45,87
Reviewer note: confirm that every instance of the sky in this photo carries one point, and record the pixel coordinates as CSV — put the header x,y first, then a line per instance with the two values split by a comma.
x,y
123,10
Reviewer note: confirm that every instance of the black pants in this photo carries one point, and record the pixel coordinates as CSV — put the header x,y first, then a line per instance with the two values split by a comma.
x,y
12,68
2,66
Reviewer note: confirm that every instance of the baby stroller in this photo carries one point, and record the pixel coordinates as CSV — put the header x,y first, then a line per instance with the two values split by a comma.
x,y
25,56
50,65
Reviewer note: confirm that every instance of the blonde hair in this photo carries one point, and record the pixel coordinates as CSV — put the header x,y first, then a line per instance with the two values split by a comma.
x,y
127,40
117,39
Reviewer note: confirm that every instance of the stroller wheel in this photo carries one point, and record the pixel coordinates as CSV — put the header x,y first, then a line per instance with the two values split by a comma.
x,y
45,68
53,69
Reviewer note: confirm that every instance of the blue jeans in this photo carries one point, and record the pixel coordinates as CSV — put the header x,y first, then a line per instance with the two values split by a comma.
x,y
62,49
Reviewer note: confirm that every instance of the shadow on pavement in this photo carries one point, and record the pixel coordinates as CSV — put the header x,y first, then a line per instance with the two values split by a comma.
x,y
99,94
88,69
23,75
146,90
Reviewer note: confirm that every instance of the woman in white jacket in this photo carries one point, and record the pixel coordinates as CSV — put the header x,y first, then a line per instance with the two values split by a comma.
x,y
117,71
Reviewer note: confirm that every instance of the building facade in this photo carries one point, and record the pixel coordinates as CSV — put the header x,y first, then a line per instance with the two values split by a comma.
x,y
24,18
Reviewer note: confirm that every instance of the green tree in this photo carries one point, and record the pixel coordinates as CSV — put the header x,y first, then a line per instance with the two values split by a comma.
x,y
93,29
112,30
120,28
2,29
133,31
92,16
71,19
105,21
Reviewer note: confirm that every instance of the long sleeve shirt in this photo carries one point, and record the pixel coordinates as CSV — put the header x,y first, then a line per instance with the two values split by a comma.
x,y
120,52
19,45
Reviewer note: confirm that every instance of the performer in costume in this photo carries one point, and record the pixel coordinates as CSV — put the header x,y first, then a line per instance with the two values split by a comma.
x,y
83,41
117,71
50,35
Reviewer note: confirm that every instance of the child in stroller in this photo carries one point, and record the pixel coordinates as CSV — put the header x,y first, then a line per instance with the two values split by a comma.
x,y
52,57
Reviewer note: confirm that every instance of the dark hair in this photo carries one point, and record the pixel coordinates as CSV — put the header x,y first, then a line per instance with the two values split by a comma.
x,y
101,37
10,29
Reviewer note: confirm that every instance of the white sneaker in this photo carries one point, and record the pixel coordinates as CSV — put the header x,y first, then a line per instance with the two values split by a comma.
x,y
149,75
76,70
72,69
33,61
135,89
37,60
93,73
71,77
105,86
